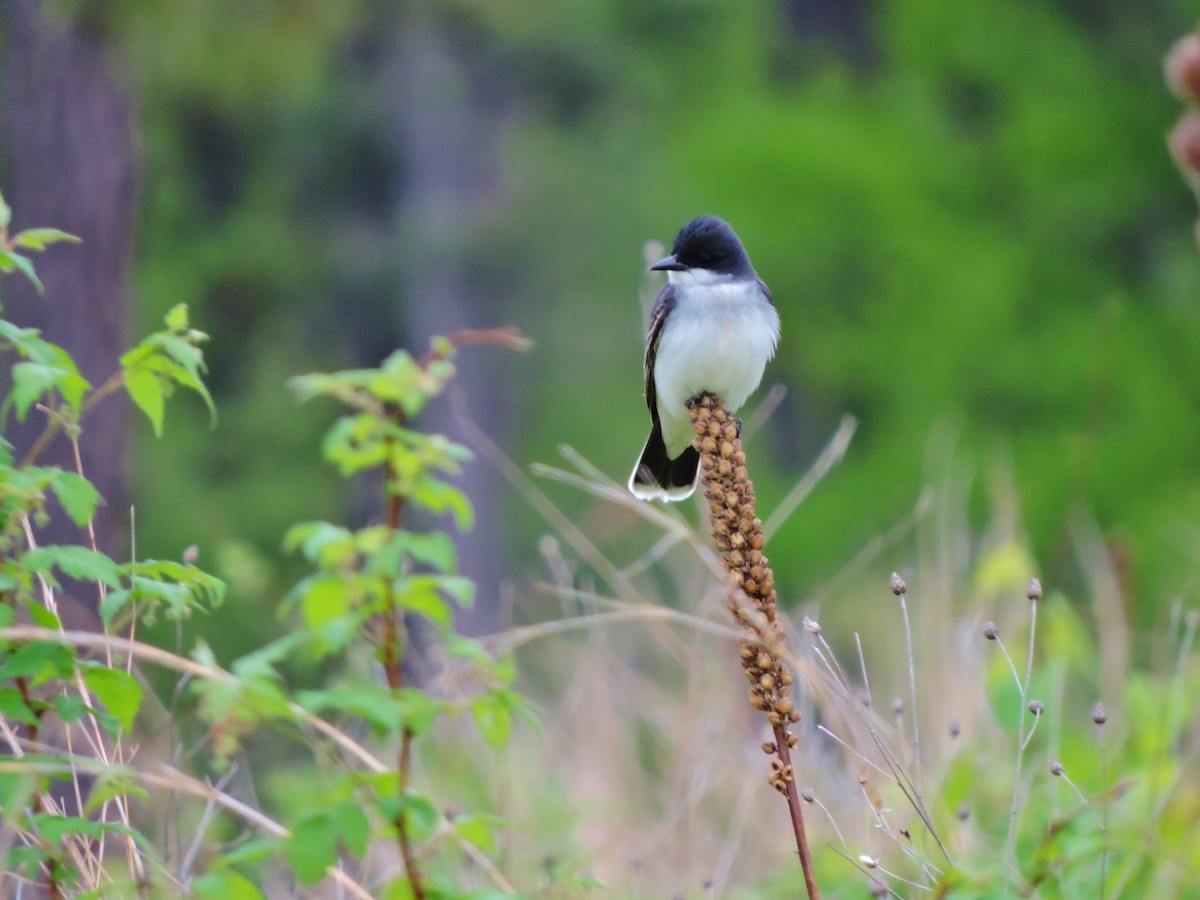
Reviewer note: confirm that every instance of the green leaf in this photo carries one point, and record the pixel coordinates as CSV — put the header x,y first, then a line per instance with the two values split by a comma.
x,y
177,318
400,889
459,587
24,266
54,828
435,549
41,238
12,706
112,784
371,702
323,544
43,617
493,719
38,661
77,495
81,563
353,826
525,710
31,381
323,599
225,884
312,847
70,708
476,830
52,370
113,603
439,497
146,391
120,693
419,815
417,594
386,711
418,710
252,851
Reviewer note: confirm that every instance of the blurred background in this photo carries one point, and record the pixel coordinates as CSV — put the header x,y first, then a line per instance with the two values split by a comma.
x,y
976,239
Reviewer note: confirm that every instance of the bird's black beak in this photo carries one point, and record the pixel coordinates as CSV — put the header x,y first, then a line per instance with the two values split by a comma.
x,y
668,264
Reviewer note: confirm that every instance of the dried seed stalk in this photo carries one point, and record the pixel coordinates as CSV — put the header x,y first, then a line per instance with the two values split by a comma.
x,y
737,532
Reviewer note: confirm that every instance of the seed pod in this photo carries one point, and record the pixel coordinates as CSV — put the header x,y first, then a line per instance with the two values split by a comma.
x,y
1182,68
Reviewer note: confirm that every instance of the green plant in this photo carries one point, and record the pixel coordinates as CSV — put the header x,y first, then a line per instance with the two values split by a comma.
x,y
70,701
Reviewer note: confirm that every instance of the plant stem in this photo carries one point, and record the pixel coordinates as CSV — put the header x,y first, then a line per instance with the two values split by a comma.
x,y
912,685
1010,842
797,814
55,422
393,668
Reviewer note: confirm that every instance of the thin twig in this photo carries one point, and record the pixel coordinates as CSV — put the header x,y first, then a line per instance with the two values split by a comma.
x,y
55,422
168,660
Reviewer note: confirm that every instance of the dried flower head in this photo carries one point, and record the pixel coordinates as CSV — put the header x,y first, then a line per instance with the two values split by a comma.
x,y
898,585
898,705
1182,68
807,795
812,626
1184,142
955,728
1034,591
1037,707
1099,713
990,631
737,534
1056,768
964,812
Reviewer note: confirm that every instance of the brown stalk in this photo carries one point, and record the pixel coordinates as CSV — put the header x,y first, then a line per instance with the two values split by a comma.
x,y
391,649
390,655
737,532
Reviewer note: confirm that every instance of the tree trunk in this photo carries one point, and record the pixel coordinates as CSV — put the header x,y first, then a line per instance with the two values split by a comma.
x,y
68,162
444,138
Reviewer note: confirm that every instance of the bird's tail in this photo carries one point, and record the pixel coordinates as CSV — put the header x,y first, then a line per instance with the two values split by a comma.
x,y
658,477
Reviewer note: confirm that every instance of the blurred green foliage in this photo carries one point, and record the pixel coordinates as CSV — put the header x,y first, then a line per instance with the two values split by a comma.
x,y
976,239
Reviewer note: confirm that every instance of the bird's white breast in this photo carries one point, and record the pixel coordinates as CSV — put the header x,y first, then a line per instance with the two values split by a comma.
x,y
718,338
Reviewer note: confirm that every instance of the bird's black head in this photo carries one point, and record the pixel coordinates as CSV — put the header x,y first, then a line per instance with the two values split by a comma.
x,y
707,243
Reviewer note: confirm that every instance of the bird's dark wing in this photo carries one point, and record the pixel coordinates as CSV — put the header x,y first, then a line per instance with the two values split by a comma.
x,y
663,304
766,290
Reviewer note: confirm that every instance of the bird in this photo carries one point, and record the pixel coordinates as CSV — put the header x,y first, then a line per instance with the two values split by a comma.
x,y
713,328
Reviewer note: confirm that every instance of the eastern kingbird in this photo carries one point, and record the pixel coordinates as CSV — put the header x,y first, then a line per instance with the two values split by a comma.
x,y
713,328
